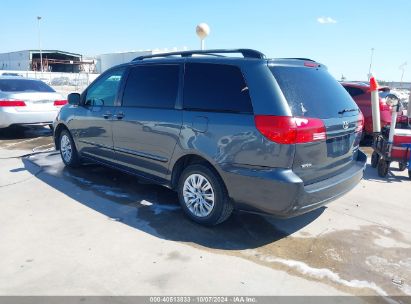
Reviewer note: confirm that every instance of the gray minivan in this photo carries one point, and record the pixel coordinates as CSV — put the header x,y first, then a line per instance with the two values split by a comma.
x,y
276,136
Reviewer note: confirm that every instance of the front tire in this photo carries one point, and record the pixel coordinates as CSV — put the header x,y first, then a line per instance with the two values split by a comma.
x,y
203,195
68,151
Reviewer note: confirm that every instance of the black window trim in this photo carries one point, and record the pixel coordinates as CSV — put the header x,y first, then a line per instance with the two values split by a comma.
x,y
211,110
119,90
178,101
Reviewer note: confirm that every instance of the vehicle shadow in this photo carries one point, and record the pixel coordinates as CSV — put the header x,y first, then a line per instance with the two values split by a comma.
x,y
24,132
371,174
155,209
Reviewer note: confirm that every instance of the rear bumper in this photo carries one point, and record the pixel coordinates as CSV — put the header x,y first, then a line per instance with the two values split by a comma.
x,y
282,193
9,116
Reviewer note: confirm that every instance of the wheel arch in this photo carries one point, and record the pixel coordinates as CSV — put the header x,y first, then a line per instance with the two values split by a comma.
x,y
60,127
187,160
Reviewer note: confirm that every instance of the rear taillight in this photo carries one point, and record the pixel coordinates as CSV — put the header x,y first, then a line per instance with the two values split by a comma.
x,y
12,103
384,106
290,130
60,102
360,126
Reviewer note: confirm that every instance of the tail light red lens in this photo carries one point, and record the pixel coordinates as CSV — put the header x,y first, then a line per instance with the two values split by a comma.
x,y
12,103
60,102
360,126
290,130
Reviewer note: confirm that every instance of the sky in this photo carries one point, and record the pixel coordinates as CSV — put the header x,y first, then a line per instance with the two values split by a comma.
x,y
339,34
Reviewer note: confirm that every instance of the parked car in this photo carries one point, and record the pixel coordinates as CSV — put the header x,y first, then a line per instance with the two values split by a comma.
x,y
25,101
360,92
224,132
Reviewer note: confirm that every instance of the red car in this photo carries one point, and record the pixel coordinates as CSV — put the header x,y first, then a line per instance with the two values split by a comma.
x,y
360,92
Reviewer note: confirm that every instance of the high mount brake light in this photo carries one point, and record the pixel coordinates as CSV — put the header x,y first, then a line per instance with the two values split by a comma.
x,y
310,64
290,130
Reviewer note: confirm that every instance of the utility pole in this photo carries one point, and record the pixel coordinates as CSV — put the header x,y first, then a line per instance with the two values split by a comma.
x,y
41,54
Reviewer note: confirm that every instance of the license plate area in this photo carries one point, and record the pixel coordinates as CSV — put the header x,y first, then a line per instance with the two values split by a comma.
x,y
41,102
339,146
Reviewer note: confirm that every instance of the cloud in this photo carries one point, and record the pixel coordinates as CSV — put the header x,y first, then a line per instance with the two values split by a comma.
x,y
326,20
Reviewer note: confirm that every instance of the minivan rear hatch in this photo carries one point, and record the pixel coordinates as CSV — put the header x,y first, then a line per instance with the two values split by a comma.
x,y
311,92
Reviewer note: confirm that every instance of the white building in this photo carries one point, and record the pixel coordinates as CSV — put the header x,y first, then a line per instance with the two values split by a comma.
x,y
106,61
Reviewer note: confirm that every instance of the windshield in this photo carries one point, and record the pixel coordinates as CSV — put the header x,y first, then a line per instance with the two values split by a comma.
x,y
24,85
313,92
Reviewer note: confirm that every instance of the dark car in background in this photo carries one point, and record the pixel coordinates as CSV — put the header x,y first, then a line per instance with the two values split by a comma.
x,y
224,132
360,92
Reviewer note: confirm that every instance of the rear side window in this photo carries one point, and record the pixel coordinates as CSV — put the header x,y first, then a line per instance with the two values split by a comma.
x,y
214,87
152,86
312,92
24,85
354,91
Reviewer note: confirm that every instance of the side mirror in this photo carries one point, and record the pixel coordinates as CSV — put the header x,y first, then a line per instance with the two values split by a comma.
x,y
73,99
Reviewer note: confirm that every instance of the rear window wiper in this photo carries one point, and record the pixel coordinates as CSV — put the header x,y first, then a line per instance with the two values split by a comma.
x,y
347,110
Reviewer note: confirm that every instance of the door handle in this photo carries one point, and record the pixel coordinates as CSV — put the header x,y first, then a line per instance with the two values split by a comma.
x,y
119,115
107,115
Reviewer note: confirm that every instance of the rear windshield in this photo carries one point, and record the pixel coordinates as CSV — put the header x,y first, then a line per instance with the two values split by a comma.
x,y
23,85
312,92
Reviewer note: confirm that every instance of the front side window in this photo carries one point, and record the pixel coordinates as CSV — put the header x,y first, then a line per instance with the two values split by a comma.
x,y
104,91
152,86
215,87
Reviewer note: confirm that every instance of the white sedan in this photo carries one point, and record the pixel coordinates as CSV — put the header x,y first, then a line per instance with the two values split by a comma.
x,y
25,101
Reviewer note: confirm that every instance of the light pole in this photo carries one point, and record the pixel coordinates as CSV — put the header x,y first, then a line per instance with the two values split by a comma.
x,y
369,70
41,54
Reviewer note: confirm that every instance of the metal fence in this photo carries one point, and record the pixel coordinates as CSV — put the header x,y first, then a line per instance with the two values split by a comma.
x,y
64,83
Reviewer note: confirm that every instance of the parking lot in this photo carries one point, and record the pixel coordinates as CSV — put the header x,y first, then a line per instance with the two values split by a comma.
x,y
95,231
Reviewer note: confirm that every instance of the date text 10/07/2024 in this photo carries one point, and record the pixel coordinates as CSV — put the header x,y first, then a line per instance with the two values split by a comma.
x,y
203,299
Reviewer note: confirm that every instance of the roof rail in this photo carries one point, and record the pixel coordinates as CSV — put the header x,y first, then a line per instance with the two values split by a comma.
x,y
247,53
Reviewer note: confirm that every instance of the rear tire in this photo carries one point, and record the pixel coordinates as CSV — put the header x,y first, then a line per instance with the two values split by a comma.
x,y
374,159
409,174
203,195
383,167
68,151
